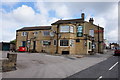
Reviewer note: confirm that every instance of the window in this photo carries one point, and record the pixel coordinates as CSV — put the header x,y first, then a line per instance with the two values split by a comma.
x,y
66,29
46,33
46,42
71,29
64,42
79,31
71,43
35,33
91,32
24,33
90,45
54,42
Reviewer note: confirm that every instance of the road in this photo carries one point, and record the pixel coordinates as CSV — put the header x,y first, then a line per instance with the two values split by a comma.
x,y
107,69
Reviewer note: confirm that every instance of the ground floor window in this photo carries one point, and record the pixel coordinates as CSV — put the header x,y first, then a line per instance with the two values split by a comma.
x,y
64,42
54,42
46,42
90,45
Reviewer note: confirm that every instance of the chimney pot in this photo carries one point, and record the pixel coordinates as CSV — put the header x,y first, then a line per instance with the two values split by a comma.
x,y
91,20
83,16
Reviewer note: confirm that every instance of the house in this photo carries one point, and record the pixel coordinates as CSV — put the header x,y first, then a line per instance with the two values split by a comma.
x,y
114,45
73,36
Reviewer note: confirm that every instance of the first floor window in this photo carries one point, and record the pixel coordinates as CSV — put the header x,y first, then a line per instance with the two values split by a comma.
x,y
64,42
46,33
91,32
24,33
66,29
35,33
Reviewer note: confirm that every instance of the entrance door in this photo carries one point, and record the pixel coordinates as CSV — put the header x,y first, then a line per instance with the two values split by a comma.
x,y
23,43
34,45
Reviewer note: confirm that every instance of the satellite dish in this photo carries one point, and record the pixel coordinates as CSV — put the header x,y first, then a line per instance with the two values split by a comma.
x,y
52,34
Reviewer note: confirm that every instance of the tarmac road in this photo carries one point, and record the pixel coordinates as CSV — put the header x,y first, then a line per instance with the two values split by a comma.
x,y
105,70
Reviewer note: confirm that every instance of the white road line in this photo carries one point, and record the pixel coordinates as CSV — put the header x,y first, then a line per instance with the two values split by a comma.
x,y
113,66
99,78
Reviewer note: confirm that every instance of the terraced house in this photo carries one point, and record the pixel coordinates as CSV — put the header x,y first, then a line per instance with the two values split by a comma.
x,y
73,36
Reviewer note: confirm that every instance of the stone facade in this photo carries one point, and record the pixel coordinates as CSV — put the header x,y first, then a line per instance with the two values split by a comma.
x,y
74,36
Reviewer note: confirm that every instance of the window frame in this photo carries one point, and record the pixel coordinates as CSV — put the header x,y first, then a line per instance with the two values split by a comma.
x,y
45,40
64,46
35,33
44,34
70,29
24,33
91,33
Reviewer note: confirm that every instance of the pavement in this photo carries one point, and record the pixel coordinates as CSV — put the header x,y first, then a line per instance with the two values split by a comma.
x,y
40,65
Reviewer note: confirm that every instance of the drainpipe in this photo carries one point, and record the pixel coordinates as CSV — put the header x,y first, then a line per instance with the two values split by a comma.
x,y
27,42
98,39
57,38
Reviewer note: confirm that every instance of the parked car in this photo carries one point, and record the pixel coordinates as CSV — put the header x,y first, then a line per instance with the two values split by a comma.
x,y
117,52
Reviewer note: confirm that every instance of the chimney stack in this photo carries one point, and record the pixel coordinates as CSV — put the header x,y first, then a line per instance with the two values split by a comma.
x,y
91,20
83,16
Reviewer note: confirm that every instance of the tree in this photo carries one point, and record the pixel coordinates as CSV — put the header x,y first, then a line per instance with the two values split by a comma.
x,y
13,41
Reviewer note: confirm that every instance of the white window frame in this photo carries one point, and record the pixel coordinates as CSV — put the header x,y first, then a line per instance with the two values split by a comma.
x,y
64,46
44,34
45,40
71,29
24,34
91,32
66,29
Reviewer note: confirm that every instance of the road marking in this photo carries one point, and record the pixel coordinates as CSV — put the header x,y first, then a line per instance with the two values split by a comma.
x,y
99,78
113,66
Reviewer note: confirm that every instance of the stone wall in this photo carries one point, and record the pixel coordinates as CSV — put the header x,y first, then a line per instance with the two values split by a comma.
x,y
9,63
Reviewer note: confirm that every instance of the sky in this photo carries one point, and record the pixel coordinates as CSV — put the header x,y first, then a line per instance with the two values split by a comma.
x,y
15,15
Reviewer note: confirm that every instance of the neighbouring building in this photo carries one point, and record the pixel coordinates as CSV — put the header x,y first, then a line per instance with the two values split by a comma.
x,y
114,45
106,44
73,36
7,46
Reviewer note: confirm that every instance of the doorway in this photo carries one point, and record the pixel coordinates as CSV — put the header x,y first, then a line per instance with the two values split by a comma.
x,y
34,46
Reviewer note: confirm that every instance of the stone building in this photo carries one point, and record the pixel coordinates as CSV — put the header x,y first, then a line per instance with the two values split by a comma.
x,y
73,36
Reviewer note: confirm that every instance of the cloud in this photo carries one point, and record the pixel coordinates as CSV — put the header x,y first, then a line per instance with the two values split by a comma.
x,y
113,35
104,14
24,14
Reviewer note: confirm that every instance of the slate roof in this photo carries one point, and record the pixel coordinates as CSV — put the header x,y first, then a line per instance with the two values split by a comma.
x,y
35,28
70,21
